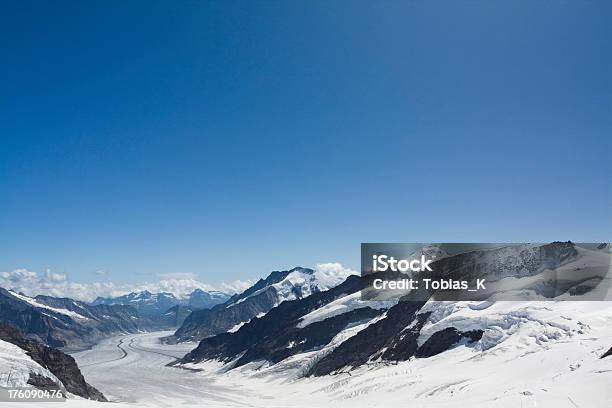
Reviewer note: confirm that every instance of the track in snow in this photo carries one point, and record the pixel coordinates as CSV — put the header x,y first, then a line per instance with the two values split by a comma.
x,y
132,368
119,346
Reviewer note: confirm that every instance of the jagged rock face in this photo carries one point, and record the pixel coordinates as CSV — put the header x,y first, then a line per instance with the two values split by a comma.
x,y
443,340
392,334
257,300
315,335
41,382
273,278
394,338
50,329
60,364
175,316
205,323
265,335
516,261
68,324
385,338
277,335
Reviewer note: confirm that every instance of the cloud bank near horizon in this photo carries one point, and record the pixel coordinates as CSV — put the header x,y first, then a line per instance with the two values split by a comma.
x,y
180,284
59,285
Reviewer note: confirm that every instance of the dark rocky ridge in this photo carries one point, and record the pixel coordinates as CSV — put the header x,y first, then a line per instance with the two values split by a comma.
x,y
394,338
272,278
175,316
385,338
43,383
208,322
62,365
158,304
276,336
256,300
70,333
262,337
443,340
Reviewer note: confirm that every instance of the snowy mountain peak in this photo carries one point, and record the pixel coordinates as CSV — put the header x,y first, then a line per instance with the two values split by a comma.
x,y
298,282
276,288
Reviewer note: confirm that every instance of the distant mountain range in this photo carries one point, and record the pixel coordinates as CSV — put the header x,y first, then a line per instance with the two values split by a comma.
x,y
157,304
73,325
67,323
34,329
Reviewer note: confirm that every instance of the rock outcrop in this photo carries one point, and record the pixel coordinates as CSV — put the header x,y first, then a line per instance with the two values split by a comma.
x,y
62,365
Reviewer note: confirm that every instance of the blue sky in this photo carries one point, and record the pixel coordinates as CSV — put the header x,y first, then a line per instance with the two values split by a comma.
x,y
229,139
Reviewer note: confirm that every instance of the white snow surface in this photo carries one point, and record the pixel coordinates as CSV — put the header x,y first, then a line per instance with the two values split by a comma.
x,y
342,305
16,366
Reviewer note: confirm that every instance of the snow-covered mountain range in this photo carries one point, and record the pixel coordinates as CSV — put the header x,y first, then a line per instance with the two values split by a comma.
x,y
156,304
276,288
335,330
68,323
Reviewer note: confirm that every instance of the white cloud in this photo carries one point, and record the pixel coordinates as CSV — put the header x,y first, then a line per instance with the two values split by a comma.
x,y
180,284
58,285
53,284
54,277
236,286
179,287
332,274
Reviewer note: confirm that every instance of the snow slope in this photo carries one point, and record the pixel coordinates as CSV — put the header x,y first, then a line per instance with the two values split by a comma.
x,y
300,283
39,305
343,305
16,366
